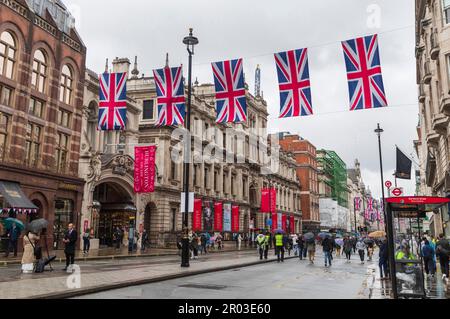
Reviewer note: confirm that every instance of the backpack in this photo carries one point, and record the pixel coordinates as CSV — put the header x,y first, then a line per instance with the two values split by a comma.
x,y
40,266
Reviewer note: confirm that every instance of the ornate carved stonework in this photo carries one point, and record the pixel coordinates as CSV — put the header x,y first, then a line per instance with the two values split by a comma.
x,y
95,168
121,165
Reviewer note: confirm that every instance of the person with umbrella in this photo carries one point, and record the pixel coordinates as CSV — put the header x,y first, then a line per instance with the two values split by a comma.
x,y
338,244
301,246
310,246
327,246
348,247
13,235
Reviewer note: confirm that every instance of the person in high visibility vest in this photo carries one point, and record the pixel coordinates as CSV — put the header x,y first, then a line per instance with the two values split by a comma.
x,y
405,253
279,247
262,244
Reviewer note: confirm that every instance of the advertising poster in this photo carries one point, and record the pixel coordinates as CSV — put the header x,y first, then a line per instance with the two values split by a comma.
x,y
197,215
208,216
227,217
235,219
218,216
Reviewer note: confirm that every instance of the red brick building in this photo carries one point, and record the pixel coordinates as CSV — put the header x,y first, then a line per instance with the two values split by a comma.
x,y
42,67
305,155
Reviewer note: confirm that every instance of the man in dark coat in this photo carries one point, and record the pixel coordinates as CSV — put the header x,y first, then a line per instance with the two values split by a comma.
x,y
70,240
13,237
327,246
383,260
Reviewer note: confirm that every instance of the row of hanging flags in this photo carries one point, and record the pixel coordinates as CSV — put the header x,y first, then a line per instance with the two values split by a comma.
x,y
362,61
373,211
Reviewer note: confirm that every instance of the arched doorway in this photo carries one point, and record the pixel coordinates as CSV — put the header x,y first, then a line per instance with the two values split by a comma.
x,y
117,210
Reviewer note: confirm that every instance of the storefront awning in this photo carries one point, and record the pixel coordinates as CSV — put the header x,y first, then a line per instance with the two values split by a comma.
x,y
14,196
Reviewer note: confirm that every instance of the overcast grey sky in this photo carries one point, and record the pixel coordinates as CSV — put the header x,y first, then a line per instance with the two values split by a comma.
x,y
254,30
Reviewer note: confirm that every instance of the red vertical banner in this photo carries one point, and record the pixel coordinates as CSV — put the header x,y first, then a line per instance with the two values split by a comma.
x,y
283,222
218,216
144,169
235,219
292,224
264,200
274,221
273,200
197,215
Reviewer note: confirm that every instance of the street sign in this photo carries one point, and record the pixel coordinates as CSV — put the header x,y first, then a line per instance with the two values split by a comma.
x,y
388,184
397,192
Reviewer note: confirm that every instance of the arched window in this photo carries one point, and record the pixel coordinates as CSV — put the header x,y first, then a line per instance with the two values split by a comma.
x,y
39,71
66,85
8,51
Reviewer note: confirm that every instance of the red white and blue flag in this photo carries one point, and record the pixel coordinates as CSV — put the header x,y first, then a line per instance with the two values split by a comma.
x,y
357,203
370,204
230,91
170,96
365,81
112,109
294,83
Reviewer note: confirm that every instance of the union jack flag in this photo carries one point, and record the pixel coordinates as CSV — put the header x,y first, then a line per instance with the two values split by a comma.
x,y
112,109
370,204
357,203
170,96
295,86
365,82
230,92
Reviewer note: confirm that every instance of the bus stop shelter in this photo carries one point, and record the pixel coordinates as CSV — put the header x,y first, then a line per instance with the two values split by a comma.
x,y
407,274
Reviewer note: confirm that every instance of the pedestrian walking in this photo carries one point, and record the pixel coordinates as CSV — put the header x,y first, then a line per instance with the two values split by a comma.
x,y
290,245
369,250
30,241
338,249
193,245
443,252
295,245
239,241
13,235
327,247
70,240
144,240
383,260
361,247
86,240
427,254
279,246
261,241
348,246
354,241
311,248
203,242
301,246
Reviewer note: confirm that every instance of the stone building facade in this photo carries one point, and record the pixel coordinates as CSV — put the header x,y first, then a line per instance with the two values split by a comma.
x,y
433,79
211,179
42,67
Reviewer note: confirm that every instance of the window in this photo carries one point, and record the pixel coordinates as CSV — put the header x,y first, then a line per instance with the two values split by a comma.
x,y
195,174
63,118
62,148
216,177
4,128
147,113
224,139
36,107
33,144
5,95
224,185
446,4
233,179
206,179
8,51
173,170
66,85
39,71
174,219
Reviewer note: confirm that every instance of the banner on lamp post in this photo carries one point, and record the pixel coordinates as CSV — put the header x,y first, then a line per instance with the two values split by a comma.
x,y
235,219
183,200
197,215
268,197
218,216
144,169
274,221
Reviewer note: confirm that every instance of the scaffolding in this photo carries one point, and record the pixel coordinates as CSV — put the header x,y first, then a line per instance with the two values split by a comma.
x,y
336,171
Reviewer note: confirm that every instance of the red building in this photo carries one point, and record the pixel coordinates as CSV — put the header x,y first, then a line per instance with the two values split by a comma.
x,y
305,155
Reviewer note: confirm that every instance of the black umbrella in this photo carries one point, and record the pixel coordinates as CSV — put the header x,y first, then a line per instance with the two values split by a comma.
x,y
37,225
308,236
368,241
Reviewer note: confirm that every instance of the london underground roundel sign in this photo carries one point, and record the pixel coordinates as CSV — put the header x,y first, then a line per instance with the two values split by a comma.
x,y
397,192
388,184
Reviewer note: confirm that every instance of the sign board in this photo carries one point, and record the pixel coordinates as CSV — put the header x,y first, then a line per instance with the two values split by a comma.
x,y
397,192
388,184
191,202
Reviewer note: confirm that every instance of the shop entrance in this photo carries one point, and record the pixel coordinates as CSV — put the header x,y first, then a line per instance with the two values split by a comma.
x,y
117,211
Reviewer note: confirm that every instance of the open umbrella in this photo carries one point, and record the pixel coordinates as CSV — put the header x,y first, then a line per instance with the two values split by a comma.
x,y
308,236
339,241
323,235
279,231
377,234
9,221
37,225
368,241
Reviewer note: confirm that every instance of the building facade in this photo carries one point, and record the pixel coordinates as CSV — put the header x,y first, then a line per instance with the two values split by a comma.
x,y
213,177
42,65
307,172
433,79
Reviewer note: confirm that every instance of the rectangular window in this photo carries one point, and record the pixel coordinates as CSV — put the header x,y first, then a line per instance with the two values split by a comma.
x,y
4,128
174,219
224,181
33,144
63,118
62,149
5,95
206,179
147,113
36,107
173,170
446,4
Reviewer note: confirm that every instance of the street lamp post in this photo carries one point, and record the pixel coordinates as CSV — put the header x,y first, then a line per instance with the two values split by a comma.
x,y
388,219
190,42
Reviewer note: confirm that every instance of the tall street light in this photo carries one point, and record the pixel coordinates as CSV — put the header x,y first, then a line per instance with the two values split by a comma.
x,y
388,221
190,42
